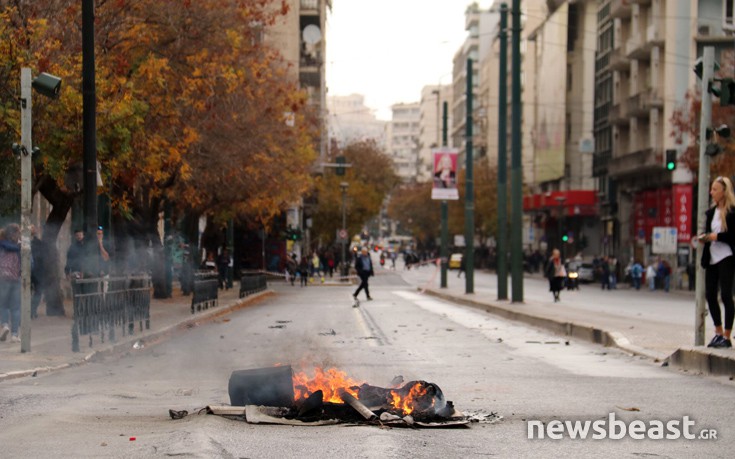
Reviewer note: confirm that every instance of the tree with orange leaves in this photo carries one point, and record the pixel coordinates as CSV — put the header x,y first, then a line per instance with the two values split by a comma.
x,y
188,102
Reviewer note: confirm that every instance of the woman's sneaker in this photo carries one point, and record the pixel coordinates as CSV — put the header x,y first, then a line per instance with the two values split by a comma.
x,y
716,341
14,339
723,343
4,332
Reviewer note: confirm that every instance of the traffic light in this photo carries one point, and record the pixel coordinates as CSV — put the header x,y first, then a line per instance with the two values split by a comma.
x,y
341,169
670,160
565,237
727,92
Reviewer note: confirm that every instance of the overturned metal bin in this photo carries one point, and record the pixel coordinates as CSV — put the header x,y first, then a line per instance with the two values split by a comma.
x,y
262,386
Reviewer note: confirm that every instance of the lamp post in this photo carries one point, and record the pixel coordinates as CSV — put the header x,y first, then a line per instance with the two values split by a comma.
x,y
560,200
49,86
343,186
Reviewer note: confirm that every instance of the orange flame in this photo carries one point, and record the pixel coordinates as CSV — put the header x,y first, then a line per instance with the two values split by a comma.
x,y
408,403
330,382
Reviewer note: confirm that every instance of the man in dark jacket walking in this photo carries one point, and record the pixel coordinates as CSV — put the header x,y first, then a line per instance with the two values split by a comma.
x,y
364,267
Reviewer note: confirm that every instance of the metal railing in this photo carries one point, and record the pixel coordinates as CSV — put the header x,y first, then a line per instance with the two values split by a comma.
x,y
205,291
252,283
101,304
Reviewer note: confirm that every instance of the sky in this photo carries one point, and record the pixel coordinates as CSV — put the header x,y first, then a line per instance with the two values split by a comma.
x,y
387,50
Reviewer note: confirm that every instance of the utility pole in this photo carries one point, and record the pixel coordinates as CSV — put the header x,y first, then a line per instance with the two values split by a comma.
x,y
501,246
443,251
469,197
89,128
26,164
516,245
708,63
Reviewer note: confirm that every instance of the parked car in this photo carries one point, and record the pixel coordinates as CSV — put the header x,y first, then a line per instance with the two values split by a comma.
x,y
585,271
455,261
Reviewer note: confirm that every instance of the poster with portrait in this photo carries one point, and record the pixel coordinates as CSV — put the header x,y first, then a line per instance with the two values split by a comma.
x,y
445,174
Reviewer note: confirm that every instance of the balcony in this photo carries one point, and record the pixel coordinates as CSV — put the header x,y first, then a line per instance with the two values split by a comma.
x,y
641,104
635,48
619,114
619,61
655,35
635,163
309,5
620,8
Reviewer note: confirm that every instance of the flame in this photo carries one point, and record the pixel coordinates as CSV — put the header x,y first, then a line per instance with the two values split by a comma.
x,y
407,403
329,381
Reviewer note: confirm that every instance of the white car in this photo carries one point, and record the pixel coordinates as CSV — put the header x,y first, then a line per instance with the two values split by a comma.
x,y
585,271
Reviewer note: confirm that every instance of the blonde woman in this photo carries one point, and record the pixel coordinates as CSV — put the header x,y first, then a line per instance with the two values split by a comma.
x,y
556,273
718,259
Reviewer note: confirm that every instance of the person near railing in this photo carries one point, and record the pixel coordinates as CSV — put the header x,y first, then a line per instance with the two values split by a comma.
x,y
10,282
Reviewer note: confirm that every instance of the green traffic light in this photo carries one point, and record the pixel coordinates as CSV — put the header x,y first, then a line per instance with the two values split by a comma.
x,y
565,238
670,165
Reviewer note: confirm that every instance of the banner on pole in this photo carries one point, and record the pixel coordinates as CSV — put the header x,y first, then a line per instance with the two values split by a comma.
x,y
445,174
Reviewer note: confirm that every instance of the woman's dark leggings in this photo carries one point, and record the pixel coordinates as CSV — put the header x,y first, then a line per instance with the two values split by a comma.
x,y
720,276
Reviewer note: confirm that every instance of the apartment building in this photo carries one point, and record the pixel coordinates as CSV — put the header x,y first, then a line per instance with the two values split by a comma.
x,y
646,52
300,38
402,139
562,197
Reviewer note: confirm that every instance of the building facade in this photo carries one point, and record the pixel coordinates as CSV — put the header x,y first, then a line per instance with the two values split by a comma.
x,y
402,139
350,120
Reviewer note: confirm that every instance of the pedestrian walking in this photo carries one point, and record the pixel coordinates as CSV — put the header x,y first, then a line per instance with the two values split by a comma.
x,y
613,269
663,273
604,273
223,266
636,273
718,259
38,278
651,276
10,282
364,267
462,268
556,273
303,271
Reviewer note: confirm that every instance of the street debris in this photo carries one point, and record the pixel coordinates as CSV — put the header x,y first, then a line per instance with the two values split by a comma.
x,y
277,395
178,414
627,409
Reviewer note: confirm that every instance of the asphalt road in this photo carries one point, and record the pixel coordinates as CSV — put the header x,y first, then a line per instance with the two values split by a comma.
x,y
119,407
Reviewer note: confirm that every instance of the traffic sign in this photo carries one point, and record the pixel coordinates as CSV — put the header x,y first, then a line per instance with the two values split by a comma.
x,y
664,240
342,235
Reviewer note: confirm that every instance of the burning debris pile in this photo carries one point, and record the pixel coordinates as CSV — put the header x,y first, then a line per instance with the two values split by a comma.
x,y
277,395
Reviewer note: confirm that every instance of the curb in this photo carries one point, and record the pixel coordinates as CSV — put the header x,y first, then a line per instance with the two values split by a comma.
x,y
150,336
695,359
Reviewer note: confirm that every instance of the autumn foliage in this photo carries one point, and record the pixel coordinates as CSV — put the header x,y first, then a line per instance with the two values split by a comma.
x,y
193,108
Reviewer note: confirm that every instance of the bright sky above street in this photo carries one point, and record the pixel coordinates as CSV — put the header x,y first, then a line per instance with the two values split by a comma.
x,y
388,50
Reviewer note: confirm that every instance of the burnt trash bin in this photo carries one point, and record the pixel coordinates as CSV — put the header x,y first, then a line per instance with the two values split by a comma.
x,y
262,386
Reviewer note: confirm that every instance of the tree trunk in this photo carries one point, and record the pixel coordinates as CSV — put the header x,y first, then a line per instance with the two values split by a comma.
x,y
61,203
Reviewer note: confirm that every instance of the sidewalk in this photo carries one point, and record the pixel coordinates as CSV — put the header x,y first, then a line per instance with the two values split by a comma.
x,y
51,336
664,338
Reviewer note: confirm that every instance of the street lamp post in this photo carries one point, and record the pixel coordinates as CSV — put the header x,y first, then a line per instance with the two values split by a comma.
x,y
49,86
343,186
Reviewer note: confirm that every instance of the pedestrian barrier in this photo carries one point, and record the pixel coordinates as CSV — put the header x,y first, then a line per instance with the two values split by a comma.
x,y
205,291
101,304
252,283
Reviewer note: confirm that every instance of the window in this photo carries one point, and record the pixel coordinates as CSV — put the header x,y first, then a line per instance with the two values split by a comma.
x,y
727,17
